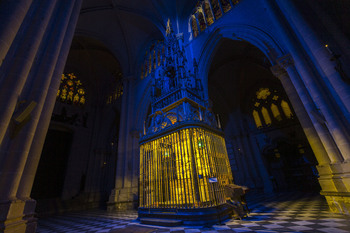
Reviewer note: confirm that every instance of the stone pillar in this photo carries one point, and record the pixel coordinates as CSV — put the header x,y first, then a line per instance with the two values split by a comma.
x,y
302,104
29,172
250,159
312,33
256,153
321,94
36,69
122,197
22,54
239,177
13,13
340,39
135,164
331,168
249,155
240,152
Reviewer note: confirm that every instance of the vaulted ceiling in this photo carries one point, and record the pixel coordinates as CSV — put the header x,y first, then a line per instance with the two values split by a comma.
x,y
112,35
127,27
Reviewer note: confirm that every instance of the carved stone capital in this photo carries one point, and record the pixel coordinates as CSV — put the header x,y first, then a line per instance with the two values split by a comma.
x,y
285,61
278,71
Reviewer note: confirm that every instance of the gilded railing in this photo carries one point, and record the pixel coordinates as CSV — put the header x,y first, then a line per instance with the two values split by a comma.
x,y
175,170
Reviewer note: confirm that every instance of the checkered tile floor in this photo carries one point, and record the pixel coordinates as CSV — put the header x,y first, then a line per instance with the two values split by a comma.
x,y
288,212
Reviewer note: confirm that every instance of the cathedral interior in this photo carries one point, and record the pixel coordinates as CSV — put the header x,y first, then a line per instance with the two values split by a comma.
x,y
116,106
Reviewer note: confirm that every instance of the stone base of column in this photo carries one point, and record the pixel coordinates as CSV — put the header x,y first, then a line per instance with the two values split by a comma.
x,y
335,183
338,202
123,199
11,216
29,215
83,201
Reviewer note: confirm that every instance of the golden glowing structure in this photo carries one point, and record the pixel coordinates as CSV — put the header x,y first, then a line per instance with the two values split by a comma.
x,y
175,169
183,160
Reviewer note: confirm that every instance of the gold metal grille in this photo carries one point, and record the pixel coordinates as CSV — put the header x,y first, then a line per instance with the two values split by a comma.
x,y
175,170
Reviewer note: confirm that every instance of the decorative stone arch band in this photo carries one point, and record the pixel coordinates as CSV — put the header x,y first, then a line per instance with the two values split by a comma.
x,y
275,51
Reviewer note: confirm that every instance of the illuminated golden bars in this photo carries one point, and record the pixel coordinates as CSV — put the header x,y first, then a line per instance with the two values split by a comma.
x,y
175,169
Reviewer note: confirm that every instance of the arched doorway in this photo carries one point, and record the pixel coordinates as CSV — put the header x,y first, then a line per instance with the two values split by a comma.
x,y
268,148
88,107
292,166
53,161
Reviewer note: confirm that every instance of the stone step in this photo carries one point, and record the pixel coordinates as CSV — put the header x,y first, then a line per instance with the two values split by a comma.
x,y
163,213
161,222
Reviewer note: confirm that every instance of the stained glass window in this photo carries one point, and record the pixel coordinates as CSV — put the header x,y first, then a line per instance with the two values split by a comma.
x,y
286,109
275,112
163,52
270,106
194,26
226,6
158,57
216,8
257,119
202,24
71,90
146,65
263,93
150,63
152,59
117,93
142,72
266,116
207,11
117,88
208,14
234,2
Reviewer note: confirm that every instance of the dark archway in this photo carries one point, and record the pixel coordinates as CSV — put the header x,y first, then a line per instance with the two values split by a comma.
x,y
53,161
84,159
256,115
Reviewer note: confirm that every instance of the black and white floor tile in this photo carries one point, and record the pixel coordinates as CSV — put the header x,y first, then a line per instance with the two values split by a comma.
x,y
287,212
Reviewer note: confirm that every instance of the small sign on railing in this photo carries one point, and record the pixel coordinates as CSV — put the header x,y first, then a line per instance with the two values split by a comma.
x,y
213,180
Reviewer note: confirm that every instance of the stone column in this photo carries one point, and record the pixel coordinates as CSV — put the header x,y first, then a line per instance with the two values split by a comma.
x,y
13,13
135,164
312,33
29,172
240,150
341,40
332,170
14,72
337,192
258,159
33,68
321,95
20,58
122,196
123,133
97,151
251,162
253,168
304,107
336,81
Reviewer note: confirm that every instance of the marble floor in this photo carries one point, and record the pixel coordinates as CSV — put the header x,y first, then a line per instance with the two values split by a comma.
x,y
284,212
